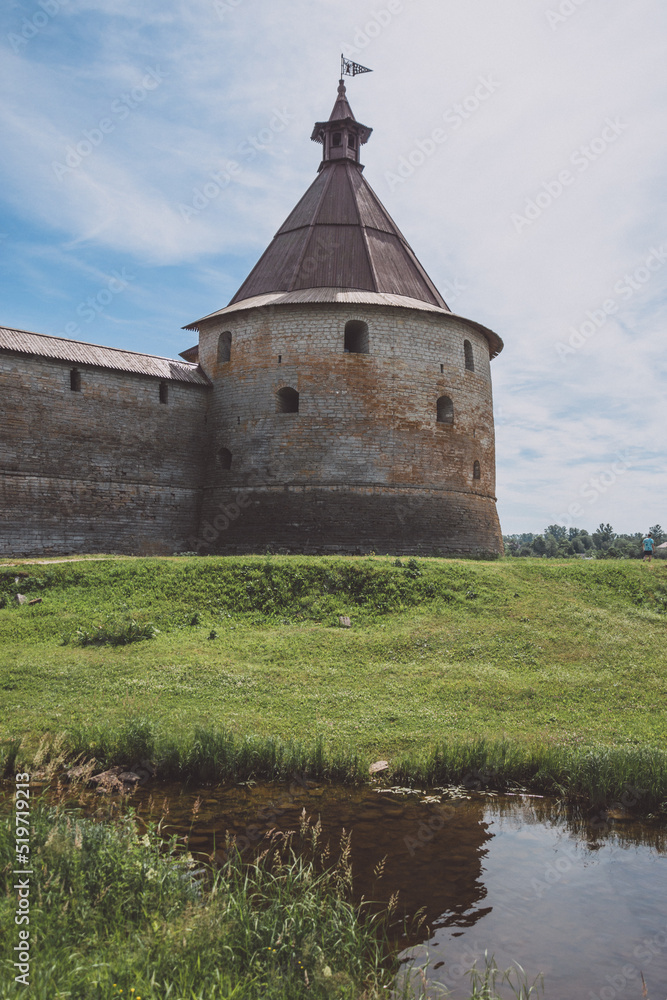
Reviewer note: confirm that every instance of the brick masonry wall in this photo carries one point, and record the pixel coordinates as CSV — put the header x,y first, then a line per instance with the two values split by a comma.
x,y
106,469
364,464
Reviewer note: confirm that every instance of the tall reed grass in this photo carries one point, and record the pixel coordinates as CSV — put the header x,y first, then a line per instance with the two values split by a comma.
x,y
635,777
116,911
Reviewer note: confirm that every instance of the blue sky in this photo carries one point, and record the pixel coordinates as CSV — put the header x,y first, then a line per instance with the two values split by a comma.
x,y
151,150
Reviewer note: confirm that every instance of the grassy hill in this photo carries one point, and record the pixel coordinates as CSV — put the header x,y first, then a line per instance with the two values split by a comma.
x,y
542,673
534,651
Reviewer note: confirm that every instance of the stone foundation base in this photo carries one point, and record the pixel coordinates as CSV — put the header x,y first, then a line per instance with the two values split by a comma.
x,y
348,520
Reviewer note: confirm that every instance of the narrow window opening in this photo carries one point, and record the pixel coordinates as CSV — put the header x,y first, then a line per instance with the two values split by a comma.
x,y
225,458
442,369
224,347
75,380
352,141
476,471
356,337
467,352
280,359
164,392
287,400
238,420
337,139
445,410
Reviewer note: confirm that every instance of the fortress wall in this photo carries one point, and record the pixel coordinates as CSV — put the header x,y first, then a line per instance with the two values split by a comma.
x,y
106,469
365,441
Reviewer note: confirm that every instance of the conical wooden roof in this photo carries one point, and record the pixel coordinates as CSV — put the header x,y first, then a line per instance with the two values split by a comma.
x,y
340,236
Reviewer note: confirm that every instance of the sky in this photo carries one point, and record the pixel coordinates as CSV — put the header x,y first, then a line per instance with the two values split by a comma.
x,y
151,150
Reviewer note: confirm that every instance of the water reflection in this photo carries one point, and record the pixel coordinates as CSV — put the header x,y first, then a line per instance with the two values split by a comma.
x,y
576,895
579,896
432,850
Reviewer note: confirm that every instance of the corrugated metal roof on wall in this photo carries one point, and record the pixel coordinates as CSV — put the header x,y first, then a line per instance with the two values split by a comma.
x,y
78,352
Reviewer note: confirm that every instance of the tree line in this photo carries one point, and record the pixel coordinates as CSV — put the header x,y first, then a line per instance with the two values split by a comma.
x,y
558,541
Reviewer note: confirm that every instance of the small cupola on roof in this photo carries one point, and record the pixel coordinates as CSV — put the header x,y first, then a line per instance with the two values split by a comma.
x,y
339,238
342,136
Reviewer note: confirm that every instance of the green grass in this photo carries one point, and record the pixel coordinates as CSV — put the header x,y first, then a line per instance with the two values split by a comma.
x,y
545,657
116,914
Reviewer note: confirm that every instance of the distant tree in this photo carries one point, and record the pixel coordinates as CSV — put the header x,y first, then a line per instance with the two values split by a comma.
x,y
603,537
585,539
570,543
556,531
539,545
658,533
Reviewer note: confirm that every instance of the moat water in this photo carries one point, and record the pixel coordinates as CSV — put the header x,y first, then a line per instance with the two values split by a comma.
x,y
580,898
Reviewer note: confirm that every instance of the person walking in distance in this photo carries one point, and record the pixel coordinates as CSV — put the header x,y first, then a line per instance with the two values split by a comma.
x,y
649,545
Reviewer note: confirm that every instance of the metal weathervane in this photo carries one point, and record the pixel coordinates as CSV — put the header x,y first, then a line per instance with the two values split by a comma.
x,y
349,68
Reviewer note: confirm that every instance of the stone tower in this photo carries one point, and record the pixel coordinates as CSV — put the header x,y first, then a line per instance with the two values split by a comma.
x,y
351,409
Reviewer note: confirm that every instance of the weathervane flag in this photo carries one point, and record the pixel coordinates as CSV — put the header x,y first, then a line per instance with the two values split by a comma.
x,y
349,68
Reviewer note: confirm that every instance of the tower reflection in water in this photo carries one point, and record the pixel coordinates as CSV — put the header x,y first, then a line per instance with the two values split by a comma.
x,y
432,849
